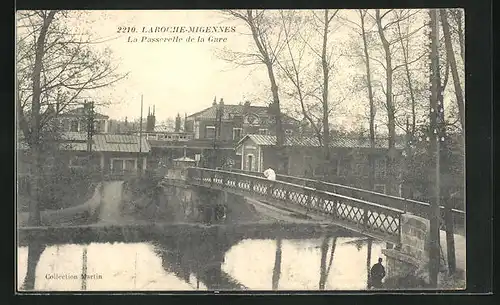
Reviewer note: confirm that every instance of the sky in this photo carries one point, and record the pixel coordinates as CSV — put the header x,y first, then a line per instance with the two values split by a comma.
x,y
175,77
185,77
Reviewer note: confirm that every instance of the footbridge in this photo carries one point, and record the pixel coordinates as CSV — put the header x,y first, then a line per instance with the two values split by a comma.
x,y
372,214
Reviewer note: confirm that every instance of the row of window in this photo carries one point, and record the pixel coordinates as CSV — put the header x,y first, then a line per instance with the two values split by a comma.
x,y
168,137
81,125
237,132
116,165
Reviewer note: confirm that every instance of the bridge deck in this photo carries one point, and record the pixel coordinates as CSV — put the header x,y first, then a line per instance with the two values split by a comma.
x,y
377,221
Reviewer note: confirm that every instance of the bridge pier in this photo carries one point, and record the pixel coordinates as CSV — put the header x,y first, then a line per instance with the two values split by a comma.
x,y
410,258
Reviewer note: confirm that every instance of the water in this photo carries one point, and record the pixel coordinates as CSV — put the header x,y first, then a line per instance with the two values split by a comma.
x,y
203,263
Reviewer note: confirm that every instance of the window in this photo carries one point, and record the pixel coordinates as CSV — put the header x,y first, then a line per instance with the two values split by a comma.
x,y
74,126
250,163
120,165
380,166
289,132
210,132
379,188
263,131
236,133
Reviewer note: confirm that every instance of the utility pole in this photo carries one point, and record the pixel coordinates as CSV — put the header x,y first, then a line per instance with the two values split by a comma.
x,y
434,215
140,142
89,107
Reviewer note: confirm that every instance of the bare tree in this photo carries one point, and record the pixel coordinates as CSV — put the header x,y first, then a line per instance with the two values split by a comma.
x,y
362,15
55,66
310,85
260,25
450,55
383,27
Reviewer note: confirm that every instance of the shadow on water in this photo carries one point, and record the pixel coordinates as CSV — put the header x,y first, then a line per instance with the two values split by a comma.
x,y
35,250
201,255
188,251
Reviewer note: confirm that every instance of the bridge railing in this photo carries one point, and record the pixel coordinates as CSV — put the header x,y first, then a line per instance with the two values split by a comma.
x,y
371,219
418,208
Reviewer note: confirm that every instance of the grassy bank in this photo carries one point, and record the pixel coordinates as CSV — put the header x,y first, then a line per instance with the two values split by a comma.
x,y
79,214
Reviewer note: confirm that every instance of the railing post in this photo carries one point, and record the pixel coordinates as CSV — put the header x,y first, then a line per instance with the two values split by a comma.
x,y
270,188
365,218
308,200
236,180
251,184
224,180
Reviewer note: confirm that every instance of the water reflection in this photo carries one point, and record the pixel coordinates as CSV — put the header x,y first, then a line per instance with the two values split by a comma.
x,y
205,261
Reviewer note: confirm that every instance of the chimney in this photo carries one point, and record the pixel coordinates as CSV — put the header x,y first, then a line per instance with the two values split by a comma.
x,y
150,120
185,122
178,123
215,101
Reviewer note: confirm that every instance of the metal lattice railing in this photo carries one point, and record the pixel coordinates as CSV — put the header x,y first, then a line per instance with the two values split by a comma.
x,y
362,216
415,207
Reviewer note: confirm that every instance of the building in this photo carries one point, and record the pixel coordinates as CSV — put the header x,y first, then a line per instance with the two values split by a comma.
x,y
349,158
76,120
210,135
232,122
110,153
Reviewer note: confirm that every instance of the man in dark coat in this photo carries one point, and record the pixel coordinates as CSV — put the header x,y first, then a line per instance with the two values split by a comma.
x,y
377,274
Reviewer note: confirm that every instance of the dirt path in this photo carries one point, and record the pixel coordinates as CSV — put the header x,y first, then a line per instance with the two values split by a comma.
x,y
111,202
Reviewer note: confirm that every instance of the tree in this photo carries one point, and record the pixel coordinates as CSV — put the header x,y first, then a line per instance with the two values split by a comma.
x,y
55,66
382,28
362,14
260,23
434,250
450,56
314,84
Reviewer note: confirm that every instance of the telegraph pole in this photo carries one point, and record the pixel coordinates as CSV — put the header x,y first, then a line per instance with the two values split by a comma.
x,y
434,251
140,142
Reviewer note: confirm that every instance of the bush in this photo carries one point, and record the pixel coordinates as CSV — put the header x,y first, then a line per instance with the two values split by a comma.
x,y
60,188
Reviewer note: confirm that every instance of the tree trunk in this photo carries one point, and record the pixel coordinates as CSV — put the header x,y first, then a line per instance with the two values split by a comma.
x,y
391,121
277,265
450,55
34,216
280,135
371,160
434,250
368,261
326,72
323,274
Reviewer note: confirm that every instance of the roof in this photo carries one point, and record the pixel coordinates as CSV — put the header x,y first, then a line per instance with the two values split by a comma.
x,y
345,142
185,159
80,111
74,141
210,112
163,128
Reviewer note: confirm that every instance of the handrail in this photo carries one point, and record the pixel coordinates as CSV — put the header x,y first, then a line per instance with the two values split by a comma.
x,y
373,219
370,192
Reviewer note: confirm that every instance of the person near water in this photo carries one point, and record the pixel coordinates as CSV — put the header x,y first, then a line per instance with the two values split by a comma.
x,y
377,273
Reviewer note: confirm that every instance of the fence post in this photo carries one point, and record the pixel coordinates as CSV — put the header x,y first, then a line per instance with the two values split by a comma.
x,y
224,179
236,180
365,218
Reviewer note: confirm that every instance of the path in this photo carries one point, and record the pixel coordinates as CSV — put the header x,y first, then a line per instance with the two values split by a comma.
x,y
111,203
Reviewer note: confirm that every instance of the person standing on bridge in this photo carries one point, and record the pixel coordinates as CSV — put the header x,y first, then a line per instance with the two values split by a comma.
x,y
377,273
270,175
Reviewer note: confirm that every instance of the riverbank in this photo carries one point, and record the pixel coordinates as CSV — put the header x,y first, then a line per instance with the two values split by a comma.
x,y
73,215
